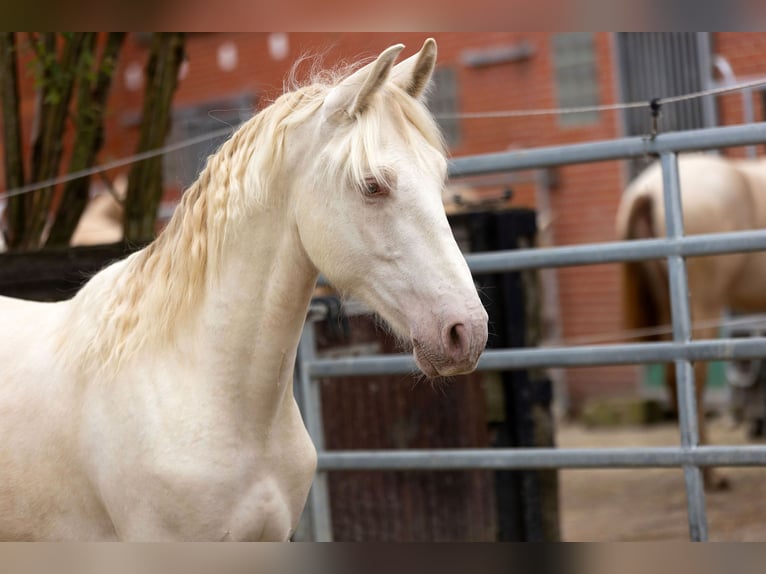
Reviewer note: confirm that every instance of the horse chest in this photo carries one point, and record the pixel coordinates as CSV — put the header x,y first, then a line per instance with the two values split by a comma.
x,y
199,482
269,502
263,512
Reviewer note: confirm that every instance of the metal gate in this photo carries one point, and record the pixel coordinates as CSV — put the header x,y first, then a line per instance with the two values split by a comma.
x,y
689,456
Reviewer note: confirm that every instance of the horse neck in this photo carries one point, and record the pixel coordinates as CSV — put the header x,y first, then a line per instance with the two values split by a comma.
x,y
252,315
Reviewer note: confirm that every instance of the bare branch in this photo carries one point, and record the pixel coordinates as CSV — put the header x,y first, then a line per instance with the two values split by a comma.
x,y
92,91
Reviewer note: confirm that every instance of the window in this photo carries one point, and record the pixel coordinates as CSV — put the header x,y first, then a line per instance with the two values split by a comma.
x,y
182,167
576,78
442,99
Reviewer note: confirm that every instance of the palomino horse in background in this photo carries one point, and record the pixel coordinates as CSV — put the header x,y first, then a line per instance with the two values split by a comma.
x,y
718,195
157,403
101,222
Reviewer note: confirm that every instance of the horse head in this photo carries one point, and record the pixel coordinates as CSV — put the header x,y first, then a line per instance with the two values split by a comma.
x,y
370,215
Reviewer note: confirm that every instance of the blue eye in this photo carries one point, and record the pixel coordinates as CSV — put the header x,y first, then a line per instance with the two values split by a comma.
x,y
371,187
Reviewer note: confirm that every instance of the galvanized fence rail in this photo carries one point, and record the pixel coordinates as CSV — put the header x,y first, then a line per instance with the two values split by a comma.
x,y
689,456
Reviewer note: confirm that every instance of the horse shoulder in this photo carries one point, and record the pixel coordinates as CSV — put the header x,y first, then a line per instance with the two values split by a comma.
x,y
197,473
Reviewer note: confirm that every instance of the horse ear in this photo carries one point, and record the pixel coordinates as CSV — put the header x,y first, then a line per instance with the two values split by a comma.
x,y
353,94
414,73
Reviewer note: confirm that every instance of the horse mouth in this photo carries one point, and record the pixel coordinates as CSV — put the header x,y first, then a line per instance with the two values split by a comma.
x,y
433,364
424,360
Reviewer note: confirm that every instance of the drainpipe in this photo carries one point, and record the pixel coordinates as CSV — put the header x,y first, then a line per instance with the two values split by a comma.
x,y
724,68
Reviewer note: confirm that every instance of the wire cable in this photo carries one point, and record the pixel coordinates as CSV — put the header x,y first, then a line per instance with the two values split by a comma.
x,y
604,107
468,115
117,163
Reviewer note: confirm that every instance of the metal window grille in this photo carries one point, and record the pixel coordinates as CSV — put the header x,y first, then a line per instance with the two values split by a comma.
x,y
664,64
689,456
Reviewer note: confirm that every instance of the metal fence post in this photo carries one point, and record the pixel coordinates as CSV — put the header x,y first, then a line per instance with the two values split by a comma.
x,y
311,401
679,305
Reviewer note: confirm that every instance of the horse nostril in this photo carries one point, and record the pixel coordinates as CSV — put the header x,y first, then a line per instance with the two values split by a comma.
x,y
458,339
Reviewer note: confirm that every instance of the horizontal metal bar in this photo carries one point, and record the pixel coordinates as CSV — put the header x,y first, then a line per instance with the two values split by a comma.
x,y
588,355
710,138
518,458
613,252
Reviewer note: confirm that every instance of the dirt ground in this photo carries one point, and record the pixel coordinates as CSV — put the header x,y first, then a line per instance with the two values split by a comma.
x,y
650,504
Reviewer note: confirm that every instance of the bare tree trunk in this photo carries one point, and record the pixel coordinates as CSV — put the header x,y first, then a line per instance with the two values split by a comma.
x,y
14,160
92,91
56,83
145,179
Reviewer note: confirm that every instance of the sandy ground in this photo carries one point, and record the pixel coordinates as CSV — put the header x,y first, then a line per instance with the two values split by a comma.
x,y
650,504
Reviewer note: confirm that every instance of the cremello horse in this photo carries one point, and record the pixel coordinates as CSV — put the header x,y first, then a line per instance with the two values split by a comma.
x,y
718,195
157,404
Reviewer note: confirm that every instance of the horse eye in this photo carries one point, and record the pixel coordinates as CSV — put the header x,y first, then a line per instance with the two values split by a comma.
x,y
372,187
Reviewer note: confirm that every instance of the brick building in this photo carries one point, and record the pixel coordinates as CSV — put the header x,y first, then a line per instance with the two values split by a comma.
x,y
227,75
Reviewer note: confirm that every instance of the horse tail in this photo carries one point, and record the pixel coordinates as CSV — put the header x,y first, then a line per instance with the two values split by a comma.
x,y
644,285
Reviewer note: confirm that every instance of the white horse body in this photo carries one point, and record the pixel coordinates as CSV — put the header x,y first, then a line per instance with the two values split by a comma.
x,y
157,404
194,443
